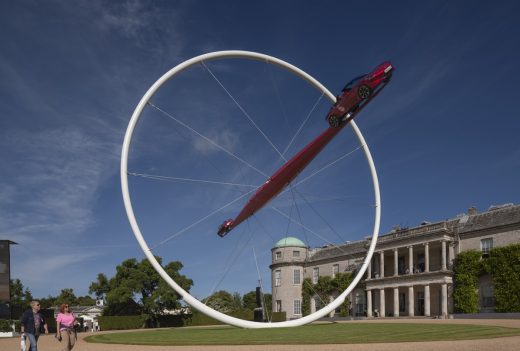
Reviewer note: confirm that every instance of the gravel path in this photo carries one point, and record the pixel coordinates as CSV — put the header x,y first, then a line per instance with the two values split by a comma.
x,y
48,343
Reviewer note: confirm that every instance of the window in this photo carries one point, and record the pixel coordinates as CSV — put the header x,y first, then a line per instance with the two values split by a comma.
x,y
296,254
296,276
297,307
278,305
317,304
335,270
487,297
277,277
420,263
315,275
402,302
486,245
277,255
401,266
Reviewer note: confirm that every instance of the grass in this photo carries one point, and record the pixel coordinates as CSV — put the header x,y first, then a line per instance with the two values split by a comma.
x,y
334,333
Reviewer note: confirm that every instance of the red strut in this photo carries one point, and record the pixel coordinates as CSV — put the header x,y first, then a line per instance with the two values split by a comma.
x,y
283,176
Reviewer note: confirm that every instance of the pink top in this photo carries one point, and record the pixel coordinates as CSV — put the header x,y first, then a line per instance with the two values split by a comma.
x,y
65,320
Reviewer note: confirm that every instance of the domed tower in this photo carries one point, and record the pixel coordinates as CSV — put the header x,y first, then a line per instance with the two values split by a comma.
x,y
288,258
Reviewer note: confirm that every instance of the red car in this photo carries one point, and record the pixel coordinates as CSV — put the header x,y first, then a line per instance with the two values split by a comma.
x,y
358,90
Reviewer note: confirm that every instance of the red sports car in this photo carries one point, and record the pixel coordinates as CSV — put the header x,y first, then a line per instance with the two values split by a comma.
x,y
357,91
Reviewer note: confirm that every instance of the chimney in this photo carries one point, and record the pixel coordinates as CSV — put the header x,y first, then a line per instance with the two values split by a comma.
x,y
472,211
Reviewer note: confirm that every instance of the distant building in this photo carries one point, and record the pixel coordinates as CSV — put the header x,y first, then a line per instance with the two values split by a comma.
x,y
80,311
411,271
5,278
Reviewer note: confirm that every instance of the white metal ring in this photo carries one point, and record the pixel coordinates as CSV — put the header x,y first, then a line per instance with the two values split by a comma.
x,y
144,246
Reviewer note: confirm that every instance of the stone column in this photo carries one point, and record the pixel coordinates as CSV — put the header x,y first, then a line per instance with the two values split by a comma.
x,y
444,300
443,257
451,254
396,302
381,264
382,312
411,301
396,258
427,301
369,303
410,259
369,270
426,257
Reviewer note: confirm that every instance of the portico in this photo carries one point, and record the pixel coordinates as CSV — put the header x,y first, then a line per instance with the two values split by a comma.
x,y
424,297
410,274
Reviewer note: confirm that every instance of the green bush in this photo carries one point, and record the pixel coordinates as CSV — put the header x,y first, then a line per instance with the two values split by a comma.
x,y
170,321
324,288
279,317
198,318
5,326
121,322
503,264
467,269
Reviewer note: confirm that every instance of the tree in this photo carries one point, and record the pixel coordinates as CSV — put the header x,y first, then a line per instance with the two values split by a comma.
x,y
47,302
85,301
249,302
221,301
20,296
100,287
138,289
237,301
268,304
66,296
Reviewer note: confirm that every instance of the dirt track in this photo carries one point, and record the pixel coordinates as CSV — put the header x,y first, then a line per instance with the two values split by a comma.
x,y
48,343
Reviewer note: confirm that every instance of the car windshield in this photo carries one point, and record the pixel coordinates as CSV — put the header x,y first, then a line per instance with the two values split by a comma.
x,y
353,82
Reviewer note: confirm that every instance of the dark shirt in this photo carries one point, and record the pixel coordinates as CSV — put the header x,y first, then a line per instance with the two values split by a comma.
x,y
32,322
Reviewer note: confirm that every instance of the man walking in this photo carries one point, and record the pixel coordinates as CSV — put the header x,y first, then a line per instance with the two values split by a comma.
x,y
33,324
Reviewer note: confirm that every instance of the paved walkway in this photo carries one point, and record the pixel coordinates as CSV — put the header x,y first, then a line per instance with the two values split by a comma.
x,y
48,343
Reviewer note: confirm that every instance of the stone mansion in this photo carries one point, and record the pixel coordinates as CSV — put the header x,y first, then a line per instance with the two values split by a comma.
x,y
410,273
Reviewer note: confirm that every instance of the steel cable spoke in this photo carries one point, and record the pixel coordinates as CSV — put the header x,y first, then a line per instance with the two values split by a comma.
x,y
244,111
207,139
200,220
180,179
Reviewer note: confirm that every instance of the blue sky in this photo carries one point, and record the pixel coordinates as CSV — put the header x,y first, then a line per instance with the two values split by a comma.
x,y
443,134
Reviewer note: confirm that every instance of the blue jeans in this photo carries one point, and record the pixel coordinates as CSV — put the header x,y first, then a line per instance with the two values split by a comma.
x,y
33,339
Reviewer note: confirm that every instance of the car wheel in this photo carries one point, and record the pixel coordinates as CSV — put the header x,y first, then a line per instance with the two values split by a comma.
x,y
364,92
333,121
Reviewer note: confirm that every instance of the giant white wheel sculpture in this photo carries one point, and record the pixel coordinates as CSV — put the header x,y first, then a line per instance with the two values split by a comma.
x,y
146,249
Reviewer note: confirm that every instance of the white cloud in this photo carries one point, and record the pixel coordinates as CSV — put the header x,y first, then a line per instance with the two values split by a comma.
x,y
129,17
225,138
48,271
52,179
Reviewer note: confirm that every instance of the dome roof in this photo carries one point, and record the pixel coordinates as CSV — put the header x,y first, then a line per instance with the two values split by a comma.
x,y
290,241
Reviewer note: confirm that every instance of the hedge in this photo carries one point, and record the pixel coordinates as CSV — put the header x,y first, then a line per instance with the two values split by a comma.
x,y
198,318
5,326
279,316
137,322
121,322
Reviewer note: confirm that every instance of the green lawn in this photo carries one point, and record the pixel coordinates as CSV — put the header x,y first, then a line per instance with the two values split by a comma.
x,y
333,333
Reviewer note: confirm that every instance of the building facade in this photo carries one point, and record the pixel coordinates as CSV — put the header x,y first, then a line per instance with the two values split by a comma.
x,y
410,273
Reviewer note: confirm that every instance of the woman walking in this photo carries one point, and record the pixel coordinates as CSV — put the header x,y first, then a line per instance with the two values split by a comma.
x,y
65,322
